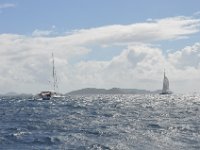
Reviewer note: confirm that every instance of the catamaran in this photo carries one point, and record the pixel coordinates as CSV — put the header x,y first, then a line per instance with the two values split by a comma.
x,y
47,95
165,89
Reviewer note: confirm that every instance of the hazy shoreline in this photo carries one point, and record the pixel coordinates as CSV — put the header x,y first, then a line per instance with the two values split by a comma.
x,y
86,91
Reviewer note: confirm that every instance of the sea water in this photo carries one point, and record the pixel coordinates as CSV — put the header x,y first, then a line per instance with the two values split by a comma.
x,y
116,122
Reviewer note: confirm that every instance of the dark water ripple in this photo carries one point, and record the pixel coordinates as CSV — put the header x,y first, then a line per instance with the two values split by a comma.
x,y
118,122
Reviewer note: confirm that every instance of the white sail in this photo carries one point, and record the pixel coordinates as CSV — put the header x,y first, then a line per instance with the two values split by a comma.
x,y
165,89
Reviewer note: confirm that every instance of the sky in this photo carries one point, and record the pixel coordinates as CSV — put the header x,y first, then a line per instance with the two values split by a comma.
x,y
100,44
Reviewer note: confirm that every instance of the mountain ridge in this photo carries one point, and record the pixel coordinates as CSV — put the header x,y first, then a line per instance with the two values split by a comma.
x,y
87,91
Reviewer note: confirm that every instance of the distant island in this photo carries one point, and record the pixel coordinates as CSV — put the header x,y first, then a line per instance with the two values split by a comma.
x,y
92,91
110,91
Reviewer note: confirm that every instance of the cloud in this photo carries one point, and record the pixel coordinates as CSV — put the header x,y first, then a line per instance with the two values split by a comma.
x,y
156,30
141,66
7,5
43,33
134,64
26,60
40,33
187,57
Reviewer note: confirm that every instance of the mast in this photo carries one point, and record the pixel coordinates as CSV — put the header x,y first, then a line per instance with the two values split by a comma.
x,y
164,73
54,74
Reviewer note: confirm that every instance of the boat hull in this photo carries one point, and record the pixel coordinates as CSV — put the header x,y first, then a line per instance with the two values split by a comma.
x,y
45,95
165,93
48,95
46,98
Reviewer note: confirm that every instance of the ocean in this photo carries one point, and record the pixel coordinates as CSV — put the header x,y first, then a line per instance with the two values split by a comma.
x,y
102,122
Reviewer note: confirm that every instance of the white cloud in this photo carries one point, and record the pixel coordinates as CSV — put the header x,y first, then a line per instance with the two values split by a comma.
x,y
157,30
139,66
26,66
42,32
7,5
187,57
134,64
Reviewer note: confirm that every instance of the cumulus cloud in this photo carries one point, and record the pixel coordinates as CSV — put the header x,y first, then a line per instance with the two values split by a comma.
x,y
135,64
26,64
187,57
141,66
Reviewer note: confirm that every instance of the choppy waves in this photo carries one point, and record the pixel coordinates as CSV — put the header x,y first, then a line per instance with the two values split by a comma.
x,y
123,122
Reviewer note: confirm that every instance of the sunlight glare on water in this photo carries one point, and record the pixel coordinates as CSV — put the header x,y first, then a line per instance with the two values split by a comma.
x,y
122,122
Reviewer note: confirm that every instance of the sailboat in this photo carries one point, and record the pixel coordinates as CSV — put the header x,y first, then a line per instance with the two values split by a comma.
x,y
165,89
47,95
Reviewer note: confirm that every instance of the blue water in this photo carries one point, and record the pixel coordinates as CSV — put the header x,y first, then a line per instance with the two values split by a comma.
x,y
118,122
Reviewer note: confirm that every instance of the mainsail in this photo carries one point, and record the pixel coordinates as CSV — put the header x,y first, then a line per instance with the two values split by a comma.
x,y
165,85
